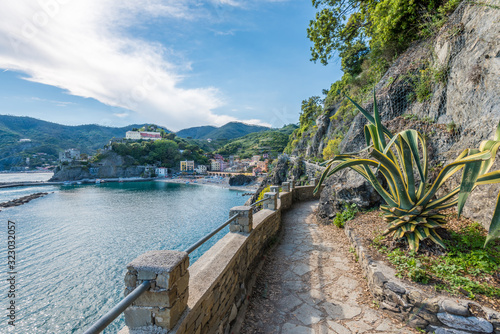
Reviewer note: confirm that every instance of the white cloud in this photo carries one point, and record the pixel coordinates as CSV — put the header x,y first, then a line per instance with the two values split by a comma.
x,y
82,47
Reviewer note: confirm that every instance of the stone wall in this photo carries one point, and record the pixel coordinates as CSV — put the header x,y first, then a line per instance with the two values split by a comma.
x,y
419,309
219,281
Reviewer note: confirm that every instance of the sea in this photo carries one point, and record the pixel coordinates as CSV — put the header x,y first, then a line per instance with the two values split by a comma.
x,y
72,246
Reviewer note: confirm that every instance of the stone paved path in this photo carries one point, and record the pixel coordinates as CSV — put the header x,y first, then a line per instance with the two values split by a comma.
x,y
310,284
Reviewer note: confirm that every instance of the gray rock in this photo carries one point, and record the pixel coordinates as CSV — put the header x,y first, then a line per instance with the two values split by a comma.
x,y
442,330
449,306
465,323
395,288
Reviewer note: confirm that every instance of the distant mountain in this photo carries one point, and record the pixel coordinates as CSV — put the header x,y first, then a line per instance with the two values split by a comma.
x,y
229,131
198,132
50,138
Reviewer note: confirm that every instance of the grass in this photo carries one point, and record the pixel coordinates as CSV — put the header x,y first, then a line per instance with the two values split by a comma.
x,y
465,268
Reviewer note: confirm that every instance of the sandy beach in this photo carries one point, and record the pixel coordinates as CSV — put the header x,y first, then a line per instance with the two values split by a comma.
x,y
221,183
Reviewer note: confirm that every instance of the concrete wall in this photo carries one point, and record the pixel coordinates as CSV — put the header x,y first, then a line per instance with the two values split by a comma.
x,y
219,280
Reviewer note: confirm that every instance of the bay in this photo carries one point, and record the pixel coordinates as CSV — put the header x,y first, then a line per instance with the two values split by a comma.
x,y
73,245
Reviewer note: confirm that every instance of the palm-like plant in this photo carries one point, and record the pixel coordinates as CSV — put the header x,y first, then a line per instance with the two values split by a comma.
x,y
412,207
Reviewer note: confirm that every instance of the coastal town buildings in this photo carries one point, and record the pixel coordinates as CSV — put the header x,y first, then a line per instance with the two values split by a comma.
x,y
201,169
69,155
187,166
145,135
161,171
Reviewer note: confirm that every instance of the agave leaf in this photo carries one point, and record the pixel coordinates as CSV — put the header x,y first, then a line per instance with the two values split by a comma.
x,y
378,187
413,242
489,178
373,136
492,146
449,170
378,122
322,178
420,233
469,177
367,115
407,163
404,198
442,200
436,238
412,138
494,230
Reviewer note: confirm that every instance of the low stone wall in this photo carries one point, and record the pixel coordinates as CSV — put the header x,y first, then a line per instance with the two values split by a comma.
x,y
218,281
434,313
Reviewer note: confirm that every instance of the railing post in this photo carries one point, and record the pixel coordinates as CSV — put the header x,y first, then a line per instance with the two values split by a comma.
x,y
285,186
292,184
244,221
272,201
314,182
163,304
275,189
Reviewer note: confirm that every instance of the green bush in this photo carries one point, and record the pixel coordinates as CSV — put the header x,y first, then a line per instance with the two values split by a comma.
x,y
345,215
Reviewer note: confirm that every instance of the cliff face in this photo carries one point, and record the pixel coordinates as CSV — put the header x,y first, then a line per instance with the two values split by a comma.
x,y
447,87
112,166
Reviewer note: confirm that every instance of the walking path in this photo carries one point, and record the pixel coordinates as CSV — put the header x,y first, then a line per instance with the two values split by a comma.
x,y
311,284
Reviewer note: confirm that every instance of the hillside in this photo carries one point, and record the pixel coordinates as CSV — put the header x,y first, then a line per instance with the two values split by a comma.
x,y
49,138
271,141
445,86
231,130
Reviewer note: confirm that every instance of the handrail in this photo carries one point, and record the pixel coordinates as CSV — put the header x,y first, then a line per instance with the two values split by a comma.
x,y
112,314
208,236
262,200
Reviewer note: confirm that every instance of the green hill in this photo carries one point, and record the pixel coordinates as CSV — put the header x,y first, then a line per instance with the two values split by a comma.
x,y
231,130
49,138
271,141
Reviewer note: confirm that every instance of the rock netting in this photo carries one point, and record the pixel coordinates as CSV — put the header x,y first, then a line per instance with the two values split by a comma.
x,y
434,313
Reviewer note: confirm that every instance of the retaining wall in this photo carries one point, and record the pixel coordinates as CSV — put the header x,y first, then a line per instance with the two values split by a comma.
x,y
430,312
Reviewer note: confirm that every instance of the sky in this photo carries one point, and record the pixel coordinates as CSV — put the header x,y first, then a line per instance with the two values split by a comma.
x,y
175,63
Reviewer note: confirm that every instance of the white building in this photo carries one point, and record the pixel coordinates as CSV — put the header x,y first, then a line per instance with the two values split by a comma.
x,y
215,165
136,135
161,171
202,169
69,155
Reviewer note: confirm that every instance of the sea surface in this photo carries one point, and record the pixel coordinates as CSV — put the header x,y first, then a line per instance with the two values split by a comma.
x,y
73,245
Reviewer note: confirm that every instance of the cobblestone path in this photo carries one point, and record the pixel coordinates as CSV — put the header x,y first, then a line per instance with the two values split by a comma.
x,y
311,284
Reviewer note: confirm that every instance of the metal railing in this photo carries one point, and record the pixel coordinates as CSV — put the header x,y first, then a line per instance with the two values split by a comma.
x,y
256,207
208,236
112,314
118,309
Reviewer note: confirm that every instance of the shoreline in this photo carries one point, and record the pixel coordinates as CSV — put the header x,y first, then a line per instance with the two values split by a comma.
x,y
251,188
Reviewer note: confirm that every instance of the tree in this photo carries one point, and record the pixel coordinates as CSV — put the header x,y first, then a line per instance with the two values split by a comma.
x,y
343,26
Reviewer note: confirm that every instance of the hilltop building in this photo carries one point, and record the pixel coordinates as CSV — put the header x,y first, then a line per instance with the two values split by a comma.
x,y
145,135
69,155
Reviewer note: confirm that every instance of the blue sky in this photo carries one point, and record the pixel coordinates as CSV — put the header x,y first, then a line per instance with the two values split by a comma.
x,y
177,63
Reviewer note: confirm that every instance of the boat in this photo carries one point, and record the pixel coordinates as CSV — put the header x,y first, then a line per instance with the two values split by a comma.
x,y
97,181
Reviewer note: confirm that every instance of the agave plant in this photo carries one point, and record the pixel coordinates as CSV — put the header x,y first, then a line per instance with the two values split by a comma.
x,y
412,205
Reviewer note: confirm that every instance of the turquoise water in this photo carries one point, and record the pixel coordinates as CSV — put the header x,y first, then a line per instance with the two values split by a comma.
x,y
73,245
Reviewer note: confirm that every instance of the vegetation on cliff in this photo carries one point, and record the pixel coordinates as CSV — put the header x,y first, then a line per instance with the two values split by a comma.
x,y
368,36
